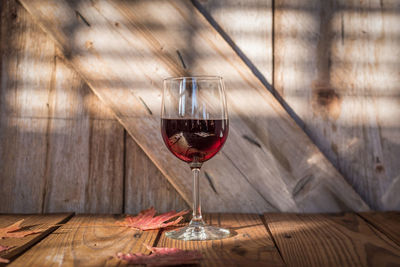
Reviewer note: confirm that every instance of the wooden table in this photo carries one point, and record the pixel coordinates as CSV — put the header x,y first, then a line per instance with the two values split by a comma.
x,y
347,239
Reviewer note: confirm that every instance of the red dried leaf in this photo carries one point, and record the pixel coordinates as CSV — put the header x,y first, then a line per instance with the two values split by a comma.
x,y
10,231
3,248
163,257
146,220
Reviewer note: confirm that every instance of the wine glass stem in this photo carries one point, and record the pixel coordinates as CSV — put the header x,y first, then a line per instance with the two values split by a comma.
x,y
197,219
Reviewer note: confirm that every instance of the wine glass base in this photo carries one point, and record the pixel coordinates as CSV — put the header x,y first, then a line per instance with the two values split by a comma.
x,y
198,233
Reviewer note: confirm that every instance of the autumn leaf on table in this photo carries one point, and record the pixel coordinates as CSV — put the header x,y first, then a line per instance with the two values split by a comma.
x,y
146,220
11,231
163,257
3,248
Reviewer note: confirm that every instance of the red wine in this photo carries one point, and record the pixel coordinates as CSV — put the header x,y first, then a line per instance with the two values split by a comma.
x,y
194,140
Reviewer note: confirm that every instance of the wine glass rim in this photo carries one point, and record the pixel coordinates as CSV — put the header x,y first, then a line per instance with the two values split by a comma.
x,y
201,77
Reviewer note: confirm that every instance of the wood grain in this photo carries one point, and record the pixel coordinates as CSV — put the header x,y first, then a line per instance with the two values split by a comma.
x,y
89,241
249,24
32,222
127,69
336,65
64,150
86,149
145,186
330,240
387,222
26,65
251,246
54,143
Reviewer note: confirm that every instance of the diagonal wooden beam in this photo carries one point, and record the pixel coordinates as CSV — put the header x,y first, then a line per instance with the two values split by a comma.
x,y
123,49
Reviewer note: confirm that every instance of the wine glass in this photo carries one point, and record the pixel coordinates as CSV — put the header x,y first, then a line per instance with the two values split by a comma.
x,y
194,127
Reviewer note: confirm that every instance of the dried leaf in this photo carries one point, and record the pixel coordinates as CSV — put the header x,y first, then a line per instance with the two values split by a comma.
x,y
3,248
10,231
146,220
163,257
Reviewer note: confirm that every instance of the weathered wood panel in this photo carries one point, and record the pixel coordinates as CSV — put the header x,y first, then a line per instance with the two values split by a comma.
x,y
45,224
251,245
331,240
85,161
54,133
26,65
337,65
145,186
123,50
87,241
104,189
249,23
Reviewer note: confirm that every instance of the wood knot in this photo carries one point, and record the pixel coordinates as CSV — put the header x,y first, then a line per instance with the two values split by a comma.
x,y
89,44
326,96
287,236
335,148
239,250
326,100
137,235
379,168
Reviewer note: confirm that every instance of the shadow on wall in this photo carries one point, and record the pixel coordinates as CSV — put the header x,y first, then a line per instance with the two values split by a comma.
x,y
335,69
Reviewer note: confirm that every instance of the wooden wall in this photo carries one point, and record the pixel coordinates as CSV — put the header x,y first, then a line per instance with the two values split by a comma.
x,y
345,86
334,68
336,65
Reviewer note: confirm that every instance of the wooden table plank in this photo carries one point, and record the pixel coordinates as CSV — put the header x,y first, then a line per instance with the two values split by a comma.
x,y
252,246
31,222
387,222
331,240
87,241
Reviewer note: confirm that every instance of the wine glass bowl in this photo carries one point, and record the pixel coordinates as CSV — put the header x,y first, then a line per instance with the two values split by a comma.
x,y
194,127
